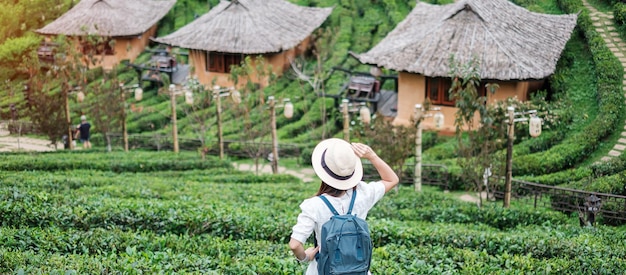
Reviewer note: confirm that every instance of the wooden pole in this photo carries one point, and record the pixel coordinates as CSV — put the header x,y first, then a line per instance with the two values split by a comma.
x,y
220,134
124,130
509,158
174,127
346,120
272,104
70,134
418,158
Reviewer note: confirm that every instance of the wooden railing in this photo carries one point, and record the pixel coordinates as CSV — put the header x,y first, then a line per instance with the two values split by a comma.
x,y
612,208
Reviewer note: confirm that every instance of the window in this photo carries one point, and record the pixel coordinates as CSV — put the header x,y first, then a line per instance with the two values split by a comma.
x,y
91,47
221,62
437,90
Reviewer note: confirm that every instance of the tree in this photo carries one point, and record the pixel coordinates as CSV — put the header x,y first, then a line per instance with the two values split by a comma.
x,y
199,113
105,104
252,109
478,137
314,73
393,143
48,91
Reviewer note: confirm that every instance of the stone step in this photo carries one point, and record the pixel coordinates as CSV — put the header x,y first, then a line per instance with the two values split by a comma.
x,y
614,153
622,140
619,147
605,159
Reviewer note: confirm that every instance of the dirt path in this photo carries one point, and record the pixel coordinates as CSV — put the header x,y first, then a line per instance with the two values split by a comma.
x,y
308,175
12,143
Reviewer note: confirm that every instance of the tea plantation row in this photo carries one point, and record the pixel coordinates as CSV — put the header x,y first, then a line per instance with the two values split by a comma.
x,y
108,216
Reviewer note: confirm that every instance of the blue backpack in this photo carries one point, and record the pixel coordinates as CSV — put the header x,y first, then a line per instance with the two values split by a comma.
x,y
346,243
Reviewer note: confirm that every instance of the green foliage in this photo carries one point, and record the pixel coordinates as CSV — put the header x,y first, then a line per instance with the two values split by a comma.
x,y
609,75
393,143
619,13
90,212
12,53
115,161
477,140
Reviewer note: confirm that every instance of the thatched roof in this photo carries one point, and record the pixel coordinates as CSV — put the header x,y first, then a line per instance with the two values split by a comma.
x,y
109,17
508,41
249,27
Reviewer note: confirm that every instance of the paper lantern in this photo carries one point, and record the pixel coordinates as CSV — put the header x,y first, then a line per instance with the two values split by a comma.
x,y
534,126
438,118
417,115
365,114
288,108
138,94
235,96
189,97
80,96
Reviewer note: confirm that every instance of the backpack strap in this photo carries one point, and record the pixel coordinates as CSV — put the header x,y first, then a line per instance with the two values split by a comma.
x,y
332,209
330,206
352,201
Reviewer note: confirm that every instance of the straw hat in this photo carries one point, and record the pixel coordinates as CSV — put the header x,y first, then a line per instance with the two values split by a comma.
x,y
336,164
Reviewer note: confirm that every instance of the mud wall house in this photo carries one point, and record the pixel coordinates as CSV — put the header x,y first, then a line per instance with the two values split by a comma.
x,y
515,48
128,24
275,30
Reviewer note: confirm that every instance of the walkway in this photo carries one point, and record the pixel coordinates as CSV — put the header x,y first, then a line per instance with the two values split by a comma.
x,y
603,22
306,174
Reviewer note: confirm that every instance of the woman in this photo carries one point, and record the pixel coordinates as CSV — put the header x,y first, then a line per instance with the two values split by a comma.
x,y
337,163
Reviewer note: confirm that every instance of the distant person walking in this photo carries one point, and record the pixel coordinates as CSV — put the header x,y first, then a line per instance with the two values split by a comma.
x,y
83,132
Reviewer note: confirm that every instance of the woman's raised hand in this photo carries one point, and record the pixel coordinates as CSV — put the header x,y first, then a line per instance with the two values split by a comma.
x,y
363,151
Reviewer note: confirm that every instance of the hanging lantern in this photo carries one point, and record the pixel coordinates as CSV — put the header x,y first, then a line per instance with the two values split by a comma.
x,y
438,118
80,96
189,97
235,96
365,114
534,126
288,108
375,71
418,112
138,94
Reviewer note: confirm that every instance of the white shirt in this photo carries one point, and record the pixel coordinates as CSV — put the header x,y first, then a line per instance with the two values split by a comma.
x,y
315,212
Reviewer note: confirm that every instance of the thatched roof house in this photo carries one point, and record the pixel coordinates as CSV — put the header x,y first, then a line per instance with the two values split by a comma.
x,y
109,17
508,41
236,28
121,20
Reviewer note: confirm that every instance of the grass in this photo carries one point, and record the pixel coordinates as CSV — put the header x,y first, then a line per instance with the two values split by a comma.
x,y
601,5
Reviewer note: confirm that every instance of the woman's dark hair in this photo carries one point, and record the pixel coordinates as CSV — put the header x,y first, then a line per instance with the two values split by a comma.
x,y
325,188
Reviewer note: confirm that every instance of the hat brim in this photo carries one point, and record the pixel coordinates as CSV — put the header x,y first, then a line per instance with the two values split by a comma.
x,y
316,160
